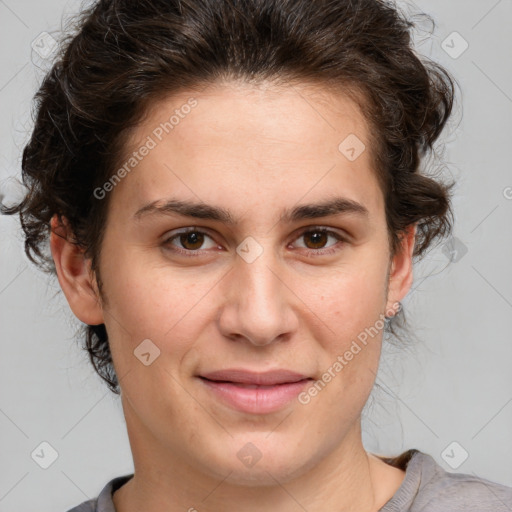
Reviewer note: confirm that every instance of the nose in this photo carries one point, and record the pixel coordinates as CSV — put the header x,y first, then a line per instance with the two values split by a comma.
x,y
258,304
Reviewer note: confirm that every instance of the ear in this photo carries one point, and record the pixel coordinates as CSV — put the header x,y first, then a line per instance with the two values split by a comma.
x,y
73,271
401,269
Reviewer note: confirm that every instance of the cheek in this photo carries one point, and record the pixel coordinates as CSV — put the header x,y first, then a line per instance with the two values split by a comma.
x,y
169,308
148,297
350,304
348,300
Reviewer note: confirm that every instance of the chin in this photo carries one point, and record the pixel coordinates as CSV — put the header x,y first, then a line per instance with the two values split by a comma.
x,y
264,466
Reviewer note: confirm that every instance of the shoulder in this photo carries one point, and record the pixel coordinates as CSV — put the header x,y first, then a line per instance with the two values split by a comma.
x,y
464,492
104,501
86,506
433,489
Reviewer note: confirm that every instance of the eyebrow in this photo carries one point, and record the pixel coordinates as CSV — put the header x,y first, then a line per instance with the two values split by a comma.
x,y
198,210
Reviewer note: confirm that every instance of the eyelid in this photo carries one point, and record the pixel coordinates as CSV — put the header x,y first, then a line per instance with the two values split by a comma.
x,y
336,231
174,233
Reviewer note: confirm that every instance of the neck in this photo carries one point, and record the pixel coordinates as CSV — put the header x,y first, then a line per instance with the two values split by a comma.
x,y
347,479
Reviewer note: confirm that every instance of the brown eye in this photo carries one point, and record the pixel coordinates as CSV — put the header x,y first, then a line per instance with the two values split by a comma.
x,y
189,243
192,240
318,239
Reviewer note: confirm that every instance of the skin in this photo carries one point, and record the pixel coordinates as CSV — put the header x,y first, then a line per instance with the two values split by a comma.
x,y
255,151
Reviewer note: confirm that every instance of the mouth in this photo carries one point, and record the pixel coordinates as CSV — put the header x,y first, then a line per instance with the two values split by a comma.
x,y
254,393
252,386
249,377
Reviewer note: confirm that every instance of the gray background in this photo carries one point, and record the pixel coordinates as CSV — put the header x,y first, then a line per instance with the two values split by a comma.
x,y
453,385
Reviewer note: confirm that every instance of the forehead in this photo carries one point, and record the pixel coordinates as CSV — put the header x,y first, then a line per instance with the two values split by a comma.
x,y
276,142
277,114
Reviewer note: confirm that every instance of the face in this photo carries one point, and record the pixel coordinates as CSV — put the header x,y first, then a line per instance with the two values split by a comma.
x,y
266,286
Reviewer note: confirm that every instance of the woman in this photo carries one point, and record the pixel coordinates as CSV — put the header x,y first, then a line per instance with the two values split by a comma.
x,y
235,202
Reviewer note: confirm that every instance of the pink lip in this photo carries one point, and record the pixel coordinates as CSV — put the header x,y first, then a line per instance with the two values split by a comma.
x,y
256,393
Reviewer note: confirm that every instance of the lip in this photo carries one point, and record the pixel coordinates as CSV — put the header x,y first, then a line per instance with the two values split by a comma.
x,y
269,378
255,393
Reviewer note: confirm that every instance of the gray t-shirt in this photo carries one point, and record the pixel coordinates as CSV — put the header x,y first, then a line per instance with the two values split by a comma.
x,y
427,487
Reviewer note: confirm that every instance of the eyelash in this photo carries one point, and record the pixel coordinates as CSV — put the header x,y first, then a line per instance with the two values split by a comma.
x,y
313,229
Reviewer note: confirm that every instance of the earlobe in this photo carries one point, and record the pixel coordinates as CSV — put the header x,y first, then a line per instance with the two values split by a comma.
x,y
401,270
74,274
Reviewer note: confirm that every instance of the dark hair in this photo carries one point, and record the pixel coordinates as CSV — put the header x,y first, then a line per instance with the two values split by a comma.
x,y
125,54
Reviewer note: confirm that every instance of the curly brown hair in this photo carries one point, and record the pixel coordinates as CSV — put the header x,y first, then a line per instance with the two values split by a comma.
x,y
122,55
